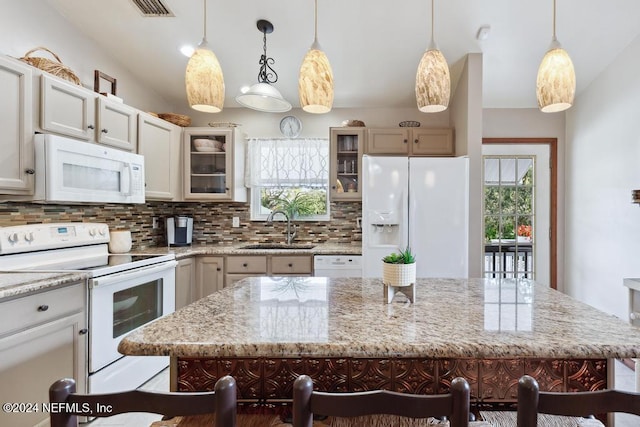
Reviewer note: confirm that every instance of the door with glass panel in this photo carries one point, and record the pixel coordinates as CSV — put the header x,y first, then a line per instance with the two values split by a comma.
x,y
516,211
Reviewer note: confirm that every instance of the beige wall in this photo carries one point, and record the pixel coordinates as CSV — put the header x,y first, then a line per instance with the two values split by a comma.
x,y
27,24
602,168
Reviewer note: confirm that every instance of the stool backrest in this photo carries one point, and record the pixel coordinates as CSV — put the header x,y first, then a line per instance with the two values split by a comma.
x,y
532,401
307,402
69,405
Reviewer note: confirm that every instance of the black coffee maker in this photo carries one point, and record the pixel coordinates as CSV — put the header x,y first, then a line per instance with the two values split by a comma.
x,y
179,230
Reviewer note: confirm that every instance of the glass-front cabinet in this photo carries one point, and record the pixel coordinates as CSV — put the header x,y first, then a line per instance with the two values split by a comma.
x,y
213,165
347,145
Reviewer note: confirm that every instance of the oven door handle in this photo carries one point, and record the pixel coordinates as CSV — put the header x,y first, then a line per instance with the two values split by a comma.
x,y
131,274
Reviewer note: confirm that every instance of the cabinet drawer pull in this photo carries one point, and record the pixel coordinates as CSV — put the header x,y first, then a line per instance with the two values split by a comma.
x,y
91,127
245,265
43,307
105,131
83,331
30,171
290,265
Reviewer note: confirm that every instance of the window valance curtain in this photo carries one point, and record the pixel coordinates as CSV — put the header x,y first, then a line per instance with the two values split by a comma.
x,y
278,162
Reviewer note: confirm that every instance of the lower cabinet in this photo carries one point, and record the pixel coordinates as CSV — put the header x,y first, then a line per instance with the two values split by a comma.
x,y
42,339
209,275
239,267
185,282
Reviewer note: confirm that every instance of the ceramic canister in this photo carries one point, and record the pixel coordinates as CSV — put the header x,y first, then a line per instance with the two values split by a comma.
x,y
119,241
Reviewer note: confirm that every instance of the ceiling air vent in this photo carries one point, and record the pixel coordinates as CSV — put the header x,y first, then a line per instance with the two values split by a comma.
x,y
152,8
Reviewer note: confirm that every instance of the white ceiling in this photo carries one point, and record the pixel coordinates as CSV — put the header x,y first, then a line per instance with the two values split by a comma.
x,y
374,46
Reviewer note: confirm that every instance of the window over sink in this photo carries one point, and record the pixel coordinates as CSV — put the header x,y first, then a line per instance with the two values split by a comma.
x,y
290,174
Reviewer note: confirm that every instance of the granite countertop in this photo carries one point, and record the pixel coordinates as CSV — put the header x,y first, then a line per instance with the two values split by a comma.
x,y
237,249
347,317
16,284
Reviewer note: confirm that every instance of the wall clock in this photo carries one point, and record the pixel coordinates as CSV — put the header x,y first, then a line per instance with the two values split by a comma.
x,y
290,126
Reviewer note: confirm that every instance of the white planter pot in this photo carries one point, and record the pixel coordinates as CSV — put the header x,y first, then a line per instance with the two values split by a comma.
x,y
398,275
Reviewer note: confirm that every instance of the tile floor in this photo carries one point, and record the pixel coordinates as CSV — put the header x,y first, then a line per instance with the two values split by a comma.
x,y
624,380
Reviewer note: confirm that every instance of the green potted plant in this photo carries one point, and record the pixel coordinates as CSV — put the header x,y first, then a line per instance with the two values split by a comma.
x,y
399,269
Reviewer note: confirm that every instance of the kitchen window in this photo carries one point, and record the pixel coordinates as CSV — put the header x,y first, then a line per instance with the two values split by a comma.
x,y
289,174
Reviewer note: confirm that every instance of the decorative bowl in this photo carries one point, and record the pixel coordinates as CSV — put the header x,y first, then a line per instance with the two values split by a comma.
x,y
409,124
353,123
204,144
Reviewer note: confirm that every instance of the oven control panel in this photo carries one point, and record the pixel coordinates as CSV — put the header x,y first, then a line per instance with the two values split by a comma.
x,y
37,237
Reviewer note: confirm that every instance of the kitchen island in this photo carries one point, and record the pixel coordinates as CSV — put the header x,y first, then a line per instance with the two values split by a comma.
x,y
265,331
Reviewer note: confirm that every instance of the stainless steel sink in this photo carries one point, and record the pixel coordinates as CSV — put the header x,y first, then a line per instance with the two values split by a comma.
x,y
276,246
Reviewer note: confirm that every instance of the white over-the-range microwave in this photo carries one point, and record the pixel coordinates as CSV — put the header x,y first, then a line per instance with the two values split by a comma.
x,y
68,170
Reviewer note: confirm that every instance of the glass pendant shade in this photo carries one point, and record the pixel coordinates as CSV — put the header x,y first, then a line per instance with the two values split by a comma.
x,y
204,81
433,82
315,83
264,97
556,83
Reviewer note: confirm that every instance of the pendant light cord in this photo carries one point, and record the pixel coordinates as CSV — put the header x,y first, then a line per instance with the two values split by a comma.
x,y
554,19
315,14
205,19
432,20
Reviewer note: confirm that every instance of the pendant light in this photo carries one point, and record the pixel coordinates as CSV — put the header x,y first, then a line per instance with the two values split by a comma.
x,y
262,96
433,83
315,83
556,83
203,78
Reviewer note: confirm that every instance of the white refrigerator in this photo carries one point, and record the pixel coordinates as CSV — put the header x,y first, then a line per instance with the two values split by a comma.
x,y
420,202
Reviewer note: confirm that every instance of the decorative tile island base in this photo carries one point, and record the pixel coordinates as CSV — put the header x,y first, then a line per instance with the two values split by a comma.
x,y
265,331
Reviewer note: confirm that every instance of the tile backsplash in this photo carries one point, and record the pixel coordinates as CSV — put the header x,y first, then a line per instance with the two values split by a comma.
x,y
211,221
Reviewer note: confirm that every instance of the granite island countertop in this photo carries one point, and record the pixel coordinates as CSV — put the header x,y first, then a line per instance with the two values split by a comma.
x,y
347,317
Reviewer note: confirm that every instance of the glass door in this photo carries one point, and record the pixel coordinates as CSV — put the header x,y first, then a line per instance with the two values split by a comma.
x,y
346,163
207,164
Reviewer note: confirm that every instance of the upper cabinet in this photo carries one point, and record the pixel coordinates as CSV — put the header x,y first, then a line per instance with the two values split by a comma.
x,y
347,146
159,143
72,110
213,164
410,141
16,127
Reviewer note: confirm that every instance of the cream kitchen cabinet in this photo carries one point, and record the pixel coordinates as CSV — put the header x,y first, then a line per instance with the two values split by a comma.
x,y
213,164
241,266
185,282
16,127
346,148
43,337
209,275
159,143
410,141
74,111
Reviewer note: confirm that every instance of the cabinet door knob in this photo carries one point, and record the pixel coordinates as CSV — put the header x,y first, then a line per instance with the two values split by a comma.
x,y
105,131
91,127
30,171
218,269
415,141
290,265
405,141
43,307
245,265
333,187
83,331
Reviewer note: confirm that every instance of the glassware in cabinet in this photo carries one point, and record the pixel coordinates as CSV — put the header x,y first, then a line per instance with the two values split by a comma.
x,y
208,163
346,162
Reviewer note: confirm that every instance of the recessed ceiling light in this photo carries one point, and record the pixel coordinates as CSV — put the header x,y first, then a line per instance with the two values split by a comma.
x,y
187,50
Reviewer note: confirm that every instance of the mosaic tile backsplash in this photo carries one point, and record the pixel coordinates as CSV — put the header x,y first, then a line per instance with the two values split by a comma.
x,y
211,221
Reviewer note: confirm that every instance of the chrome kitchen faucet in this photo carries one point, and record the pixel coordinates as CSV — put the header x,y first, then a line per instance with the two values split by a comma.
x,y
290,235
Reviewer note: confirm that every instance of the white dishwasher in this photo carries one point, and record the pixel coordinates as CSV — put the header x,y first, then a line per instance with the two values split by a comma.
x,y
337,265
